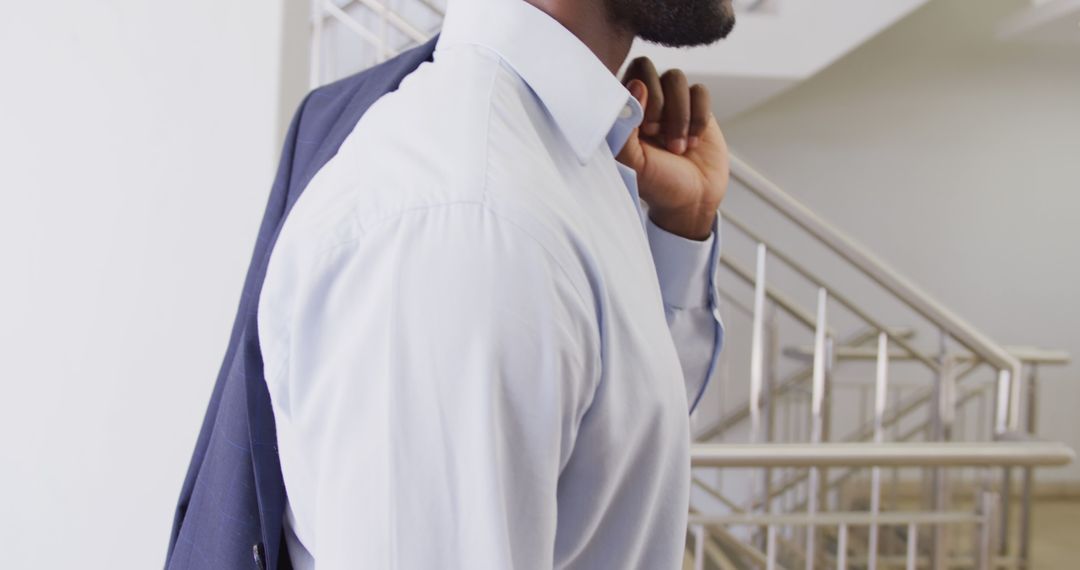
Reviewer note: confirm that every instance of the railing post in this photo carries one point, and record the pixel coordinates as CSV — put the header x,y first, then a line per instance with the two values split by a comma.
x,y
757,372
985,548
826,407
881,387
384,40
944,416
912,546
817,399
1031,421
841,547
315,57
1005,500
770,548
699,547
772,351
1002,402
757,349
1003,420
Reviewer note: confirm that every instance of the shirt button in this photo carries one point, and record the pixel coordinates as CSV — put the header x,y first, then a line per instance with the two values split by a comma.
x,y
626,112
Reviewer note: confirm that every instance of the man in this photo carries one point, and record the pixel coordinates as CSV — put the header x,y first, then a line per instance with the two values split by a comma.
x,y
480,346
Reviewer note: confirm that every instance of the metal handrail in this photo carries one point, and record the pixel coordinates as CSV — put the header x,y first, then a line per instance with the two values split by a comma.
x,y
890,454
852,518
1025,354
892,281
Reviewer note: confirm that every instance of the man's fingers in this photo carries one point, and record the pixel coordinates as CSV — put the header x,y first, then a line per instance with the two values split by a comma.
x,y
632,154
676,114
642,69
638,91
700,112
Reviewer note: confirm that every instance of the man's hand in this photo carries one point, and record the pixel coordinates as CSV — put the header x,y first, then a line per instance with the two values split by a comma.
x,y
678,152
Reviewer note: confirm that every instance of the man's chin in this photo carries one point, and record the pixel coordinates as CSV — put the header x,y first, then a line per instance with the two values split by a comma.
x,y
676,23
727,8
686,40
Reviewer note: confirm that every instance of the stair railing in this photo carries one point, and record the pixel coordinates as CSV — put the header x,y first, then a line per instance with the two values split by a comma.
x,y
943,405
713,544
1008,367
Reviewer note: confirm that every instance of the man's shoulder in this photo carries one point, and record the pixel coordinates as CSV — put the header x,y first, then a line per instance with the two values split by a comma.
x,y
426,143
437,122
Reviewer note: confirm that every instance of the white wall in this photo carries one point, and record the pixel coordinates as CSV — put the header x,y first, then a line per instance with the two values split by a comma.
x,y
957,159
137,145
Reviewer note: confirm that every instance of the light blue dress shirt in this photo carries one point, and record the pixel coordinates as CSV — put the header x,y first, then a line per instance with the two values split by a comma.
x,y
481,352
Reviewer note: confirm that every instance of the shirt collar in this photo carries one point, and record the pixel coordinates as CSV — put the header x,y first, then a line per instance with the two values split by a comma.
x,y
579,92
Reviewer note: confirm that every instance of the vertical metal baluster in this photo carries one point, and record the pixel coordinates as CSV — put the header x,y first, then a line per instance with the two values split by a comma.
x,y
699,547
1001,402
945,417
772,351
770,548
315,62
332,36
981,424
1002,424
841,547
785,435
894,496
825,433
807,420
817,397
1015,385
960,429
985,555
757,368
1006,511
864,403
804,411
865,411
912,546
1029,473
881,387
757,350
932,434
720,386
981,427
384,39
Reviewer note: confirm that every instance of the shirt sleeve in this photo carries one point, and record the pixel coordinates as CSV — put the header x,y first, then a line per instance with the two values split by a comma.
x,y
447,360
686,270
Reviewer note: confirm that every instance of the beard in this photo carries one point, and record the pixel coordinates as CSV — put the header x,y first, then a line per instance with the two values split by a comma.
x,y
674,23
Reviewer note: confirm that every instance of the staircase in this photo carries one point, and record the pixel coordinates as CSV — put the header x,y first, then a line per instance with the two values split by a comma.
x,y
855,422
855,442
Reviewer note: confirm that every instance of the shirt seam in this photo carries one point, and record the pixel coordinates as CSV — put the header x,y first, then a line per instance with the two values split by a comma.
x,y
324,254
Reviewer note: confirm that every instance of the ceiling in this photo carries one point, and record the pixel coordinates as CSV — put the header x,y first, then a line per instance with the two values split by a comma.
x,y
778,46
